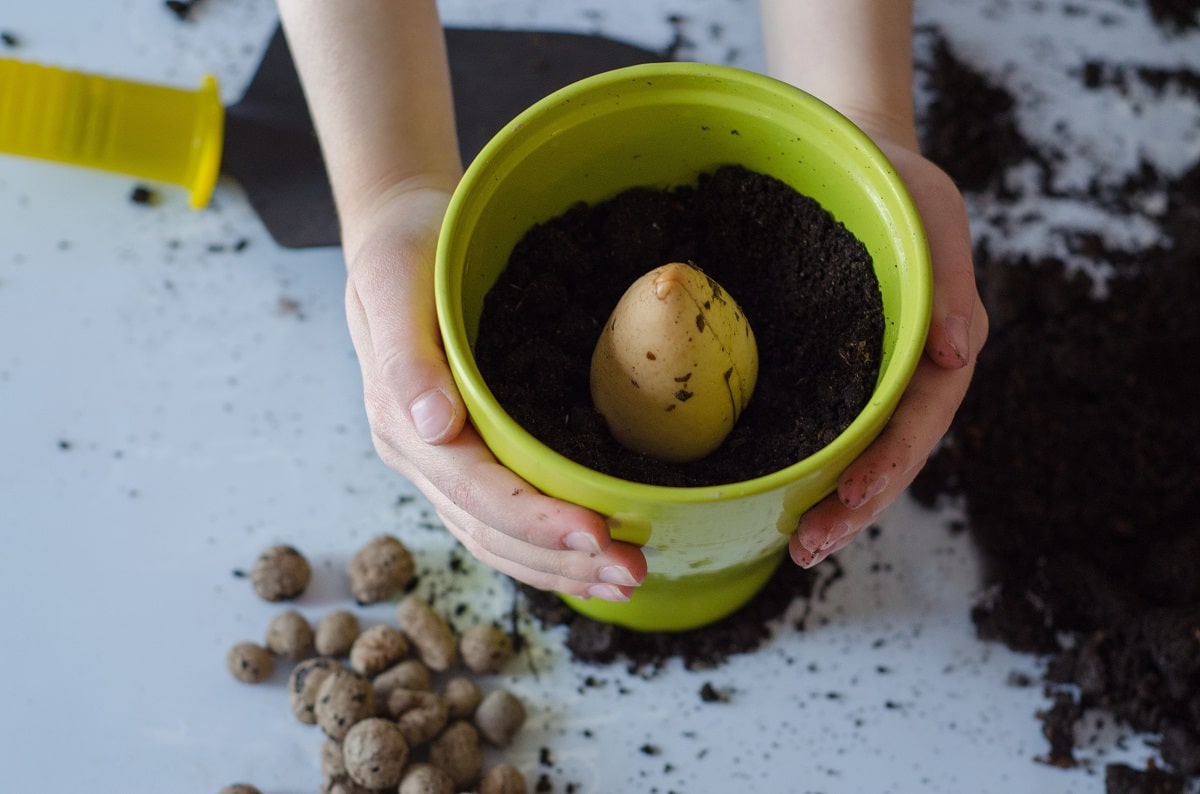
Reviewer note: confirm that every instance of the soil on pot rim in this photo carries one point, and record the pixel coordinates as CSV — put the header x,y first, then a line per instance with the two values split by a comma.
x,y
806,284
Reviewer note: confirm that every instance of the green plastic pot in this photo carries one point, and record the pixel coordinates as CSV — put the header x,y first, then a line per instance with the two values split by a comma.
x,y
709,549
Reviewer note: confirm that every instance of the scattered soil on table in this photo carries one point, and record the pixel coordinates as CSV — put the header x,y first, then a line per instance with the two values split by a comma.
x,y
806,284
746,630
1076,453
1176,15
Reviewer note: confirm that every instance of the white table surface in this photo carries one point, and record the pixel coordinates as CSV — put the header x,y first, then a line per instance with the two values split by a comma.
x,y
177,393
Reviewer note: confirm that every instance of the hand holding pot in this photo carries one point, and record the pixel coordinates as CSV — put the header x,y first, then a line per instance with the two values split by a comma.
x,y
957,331
392,155
857,56
418,420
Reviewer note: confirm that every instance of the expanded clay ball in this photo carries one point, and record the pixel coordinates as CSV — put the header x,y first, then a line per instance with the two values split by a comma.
x,y
343,699
424,778
240,788
289,635
485,649
343,784
457,753
380,570
377,649
250,663
503,779
419,715
335,633
405,674
500,717
462,697
429,632
375,753
333,764
280,573
305,681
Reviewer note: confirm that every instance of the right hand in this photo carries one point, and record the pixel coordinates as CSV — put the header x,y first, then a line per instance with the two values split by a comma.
x,y
419,422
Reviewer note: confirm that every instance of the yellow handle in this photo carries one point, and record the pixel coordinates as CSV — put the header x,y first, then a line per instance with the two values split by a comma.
x,y
151,132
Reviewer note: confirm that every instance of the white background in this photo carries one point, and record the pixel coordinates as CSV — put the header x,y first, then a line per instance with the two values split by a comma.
x,y
170,405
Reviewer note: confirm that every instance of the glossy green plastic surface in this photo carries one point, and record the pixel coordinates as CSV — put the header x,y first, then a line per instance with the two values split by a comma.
x,y
709,549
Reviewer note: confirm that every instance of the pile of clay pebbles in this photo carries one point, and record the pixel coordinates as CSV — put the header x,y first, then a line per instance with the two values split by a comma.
x,y
399,705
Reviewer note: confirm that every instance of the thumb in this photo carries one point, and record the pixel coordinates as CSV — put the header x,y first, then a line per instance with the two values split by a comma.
x,y
437,415
393,323
405,377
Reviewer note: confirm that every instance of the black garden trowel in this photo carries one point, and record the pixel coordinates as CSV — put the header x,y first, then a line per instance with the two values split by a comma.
x,y
266,141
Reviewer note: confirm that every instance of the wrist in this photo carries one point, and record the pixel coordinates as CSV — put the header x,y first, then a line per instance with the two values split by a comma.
x,y
406,214
855,55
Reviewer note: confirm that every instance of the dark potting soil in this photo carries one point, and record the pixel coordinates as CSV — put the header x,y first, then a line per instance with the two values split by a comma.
x,y
1077,451
646,652
805,283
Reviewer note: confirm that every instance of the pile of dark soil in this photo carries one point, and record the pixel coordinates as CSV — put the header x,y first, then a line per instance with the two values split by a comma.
x,y
1076,451
806,284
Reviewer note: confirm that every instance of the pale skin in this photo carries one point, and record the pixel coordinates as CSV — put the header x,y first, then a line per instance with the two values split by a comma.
x,y
378,86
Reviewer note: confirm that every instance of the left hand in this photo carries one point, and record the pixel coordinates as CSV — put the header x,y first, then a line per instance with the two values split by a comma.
x,y
957,332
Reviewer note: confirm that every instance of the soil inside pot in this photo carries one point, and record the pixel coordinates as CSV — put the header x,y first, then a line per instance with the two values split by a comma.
x,y
806,284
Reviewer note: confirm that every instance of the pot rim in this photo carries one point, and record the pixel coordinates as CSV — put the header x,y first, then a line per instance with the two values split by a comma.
x,y
871,419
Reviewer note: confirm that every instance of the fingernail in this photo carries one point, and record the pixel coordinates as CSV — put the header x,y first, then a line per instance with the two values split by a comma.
x,y
958,334
432,414
838,531
615,574
873,489
812,538
581,541
607,592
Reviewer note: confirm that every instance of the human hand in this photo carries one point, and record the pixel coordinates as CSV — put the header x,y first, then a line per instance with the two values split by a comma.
x,y
957,332
418,419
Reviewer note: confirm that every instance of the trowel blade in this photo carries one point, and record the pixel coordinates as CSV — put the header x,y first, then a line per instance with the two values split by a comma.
x,y
271,149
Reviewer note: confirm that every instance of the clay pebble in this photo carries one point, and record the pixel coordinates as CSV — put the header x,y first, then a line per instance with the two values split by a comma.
x,y
377,649
424,778
462,697
303,684
429,632
380,570
250,663
343,784
375,753
405,674
500,717
335,633
485,649
421,716
457,752
280,573
503,779
290,635
343,699
333,762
